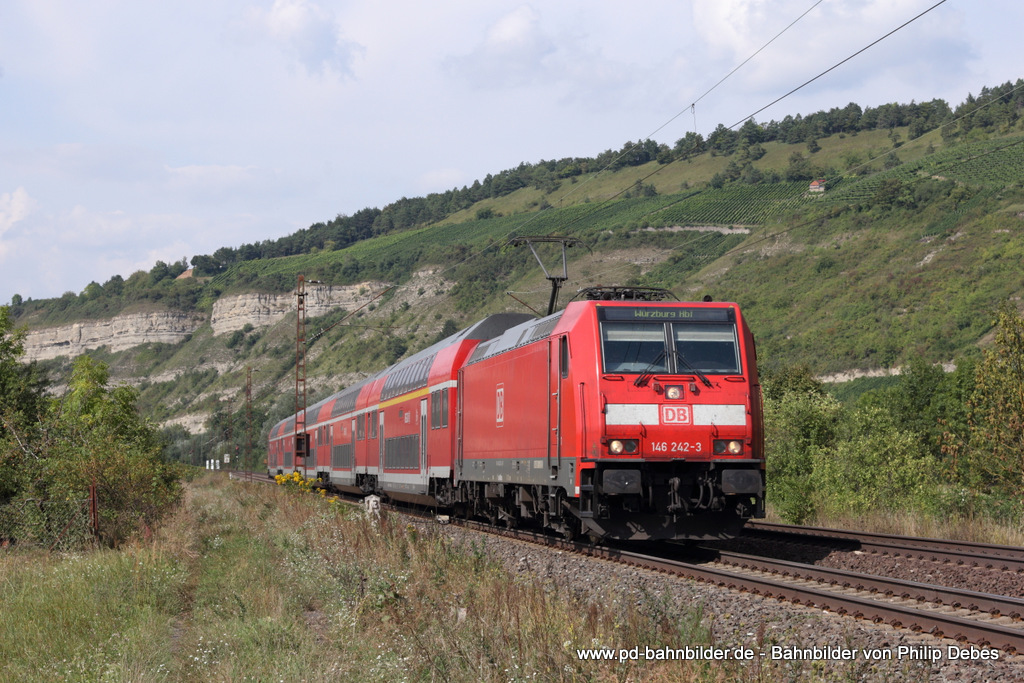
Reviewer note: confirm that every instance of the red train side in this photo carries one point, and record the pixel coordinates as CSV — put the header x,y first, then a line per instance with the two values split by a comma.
x,y
619,420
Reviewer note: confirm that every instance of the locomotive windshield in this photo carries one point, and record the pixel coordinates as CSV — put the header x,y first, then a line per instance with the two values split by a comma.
x,y
634,347
671,347
708,347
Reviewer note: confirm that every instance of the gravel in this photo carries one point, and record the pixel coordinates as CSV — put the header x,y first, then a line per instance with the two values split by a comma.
x,y
980,579
736,619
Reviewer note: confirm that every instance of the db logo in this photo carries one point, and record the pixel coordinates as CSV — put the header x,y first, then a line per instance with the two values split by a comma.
x,y
499,406
675,415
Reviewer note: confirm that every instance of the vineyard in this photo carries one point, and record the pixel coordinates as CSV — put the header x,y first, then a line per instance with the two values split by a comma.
x,y
734,204
989,164
985,165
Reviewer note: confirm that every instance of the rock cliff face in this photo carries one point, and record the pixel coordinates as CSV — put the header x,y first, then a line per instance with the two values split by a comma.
x,y
232,313
229,314
119,333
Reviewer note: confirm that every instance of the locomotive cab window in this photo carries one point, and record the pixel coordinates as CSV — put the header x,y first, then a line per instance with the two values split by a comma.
x,y
633,347
672,348
708,347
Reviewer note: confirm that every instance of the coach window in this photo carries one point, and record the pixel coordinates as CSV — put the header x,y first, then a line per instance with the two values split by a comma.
x,y
435,409
444,407
371,420
563,356
360,433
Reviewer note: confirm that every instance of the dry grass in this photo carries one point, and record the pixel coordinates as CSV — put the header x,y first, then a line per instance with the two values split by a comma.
x,y
250,582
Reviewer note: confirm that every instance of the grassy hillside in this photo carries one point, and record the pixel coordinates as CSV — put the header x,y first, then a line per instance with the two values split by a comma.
x,y
889,264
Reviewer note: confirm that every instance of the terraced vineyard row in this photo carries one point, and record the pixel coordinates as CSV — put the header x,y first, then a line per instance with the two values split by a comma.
x,y
735,204
990,163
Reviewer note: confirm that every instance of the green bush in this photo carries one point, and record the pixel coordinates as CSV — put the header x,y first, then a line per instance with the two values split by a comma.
x,y
800,428
94,435
872,465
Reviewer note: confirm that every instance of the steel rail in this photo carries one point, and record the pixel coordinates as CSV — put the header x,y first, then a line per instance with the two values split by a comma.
x,y
991,604
937,623
963,553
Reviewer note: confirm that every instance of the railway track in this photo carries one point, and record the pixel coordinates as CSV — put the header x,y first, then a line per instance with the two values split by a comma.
x,y
961,553
973,619
979,618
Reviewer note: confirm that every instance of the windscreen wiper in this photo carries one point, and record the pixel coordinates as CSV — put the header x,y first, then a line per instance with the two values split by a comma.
x,y
686,363
648,372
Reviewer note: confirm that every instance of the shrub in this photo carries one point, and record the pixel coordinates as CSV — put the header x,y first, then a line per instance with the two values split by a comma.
x,y
800,427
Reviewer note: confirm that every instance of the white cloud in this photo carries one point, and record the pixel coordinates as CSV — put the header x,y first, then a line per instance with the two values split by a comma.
x,y
513,52
14,206
309,33
828,34
148,131
215,182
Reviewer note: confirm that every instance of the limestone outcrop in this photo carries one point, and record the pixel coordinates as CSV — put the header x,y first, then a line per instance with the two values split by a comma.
x,y
118,333
232,313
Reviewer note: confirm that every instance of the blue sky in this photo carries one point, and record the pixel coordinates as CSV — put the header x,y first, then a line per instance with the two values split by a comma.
x,y
132,132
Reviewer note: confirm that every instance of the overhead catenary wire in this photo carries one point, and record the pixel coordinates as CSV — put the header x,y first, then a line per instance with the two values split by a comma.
x,y
607,200
600,206
691,106
779,99
838,64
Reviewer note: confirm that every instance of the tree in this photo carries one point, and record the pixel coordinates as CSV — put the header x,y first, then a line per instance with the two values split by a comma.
x,y
206,265
93,434
873,464
21,385
799,168
21,400
799,426
991,457
159,272
92,291
114,286
722,140
690,145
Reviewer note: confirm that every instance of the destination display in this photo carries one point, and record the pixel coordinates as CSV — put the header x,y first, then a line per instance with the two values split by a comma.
x,y
665,314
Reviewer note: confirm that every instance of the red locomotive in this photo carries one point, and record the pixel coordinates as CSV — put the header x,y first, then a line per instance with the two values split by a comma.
x,y
620,420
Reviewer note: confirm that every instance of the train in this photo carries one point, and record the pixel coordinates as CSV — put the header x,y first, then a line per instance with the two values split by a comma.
x,y
622,417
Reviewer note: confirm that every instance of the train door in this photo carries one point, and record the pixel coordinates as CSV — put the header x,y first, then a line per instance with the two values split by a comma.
x,y
380,442
558,370
424,465
358,462
458,428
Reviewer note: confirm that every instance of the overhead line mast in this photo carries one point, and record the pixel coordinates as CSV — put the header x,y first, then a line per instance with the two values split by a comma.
x,y
301,437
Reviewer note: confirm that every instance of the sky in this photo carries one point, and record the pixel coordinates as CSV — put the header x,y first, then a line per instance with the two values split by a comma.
x,y
133,131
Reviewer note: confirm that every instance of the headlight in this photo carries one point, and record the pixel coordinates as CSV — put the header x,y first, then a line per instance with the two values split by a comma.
x,y
620,446
674,392
731,447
